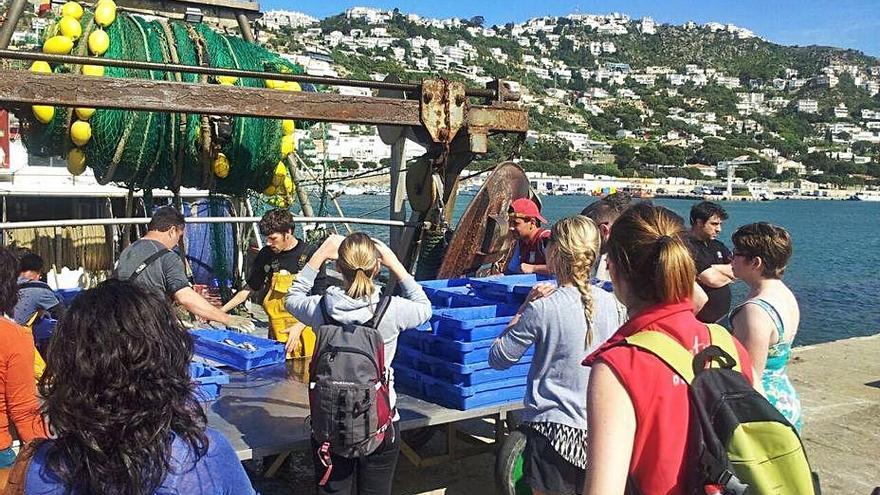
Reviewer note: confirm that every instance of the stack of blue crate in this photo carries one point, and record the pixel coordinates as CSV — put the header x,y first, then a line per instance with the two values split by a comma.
x,y
447,360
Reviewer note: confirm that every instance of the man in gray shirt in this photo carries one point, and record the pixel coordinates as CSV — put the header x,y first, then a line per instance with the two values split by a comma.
x,y
150,263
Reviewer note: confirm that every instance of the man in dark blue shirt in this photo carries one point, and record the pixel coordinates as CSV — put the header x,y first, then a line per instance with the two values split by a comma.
x,y
33,294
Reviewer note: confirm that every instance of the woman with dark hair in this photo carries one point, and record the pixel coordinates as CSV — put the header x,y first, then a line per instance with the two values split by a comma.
x,y
120,404
18,392
767,322
638,409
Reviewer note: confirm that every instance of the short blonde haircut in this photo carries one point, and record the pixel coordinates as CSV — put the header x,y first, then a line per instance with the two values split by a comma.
x,y
576,241
358,263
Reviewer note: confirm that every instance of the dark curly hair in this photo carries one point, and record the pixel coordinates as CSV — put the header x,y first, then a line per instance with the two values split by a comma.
x,y
8,281
117,389
277,221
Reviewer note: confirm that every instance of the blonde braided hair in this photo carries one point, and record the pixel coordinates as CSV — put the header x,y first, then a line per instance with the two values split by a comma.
x,y
575,243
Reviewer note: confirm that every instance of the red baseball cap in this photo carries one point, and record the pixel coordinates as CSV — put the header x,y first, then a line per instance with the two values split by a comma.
x,y
525,207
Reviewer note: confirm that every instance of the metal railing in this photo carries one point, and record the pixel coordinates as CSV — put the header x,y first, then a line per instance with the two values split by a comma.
x,y
196,220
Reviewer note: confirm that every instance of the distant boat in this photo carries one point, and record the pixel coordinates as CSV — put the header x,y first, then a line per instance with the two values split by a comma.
x,y
866,196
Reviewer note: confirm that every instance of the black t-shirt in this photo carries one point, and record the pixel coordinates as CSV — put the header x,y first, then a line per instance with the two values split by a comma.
x,y
706,254
267,262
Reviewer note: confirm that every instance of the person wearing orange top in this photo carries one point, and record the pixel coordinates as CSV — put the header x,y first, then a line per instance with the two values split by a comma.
x,y
18,390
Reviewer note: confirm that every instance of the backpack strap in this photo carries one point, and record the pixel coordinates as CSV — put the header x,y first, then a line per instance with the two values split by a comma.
x,y
671,352
667,350
722,338
328,320
15,484
381,308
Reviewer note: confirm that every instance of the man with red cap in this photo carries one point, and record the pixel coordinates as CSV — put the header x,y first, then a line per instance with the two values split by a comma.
x,y
525,223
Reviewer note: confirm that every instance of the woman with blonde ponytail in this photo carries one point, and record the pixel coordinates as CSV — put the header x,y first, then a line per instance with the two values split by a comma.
x,y
564,324
359,259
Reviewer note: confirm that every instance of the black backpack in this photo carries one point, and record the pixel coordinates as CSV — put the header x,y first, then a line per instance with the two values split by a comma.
x,y
349,398
746,446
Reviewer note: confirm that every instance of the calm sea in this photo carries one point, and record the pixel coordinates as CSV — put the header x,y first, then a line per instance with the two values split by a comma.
x,y
835,270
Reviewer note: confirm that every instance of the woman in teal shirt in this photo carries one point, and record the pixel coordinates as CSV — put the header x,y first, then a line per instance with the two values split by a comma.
x,y
767,322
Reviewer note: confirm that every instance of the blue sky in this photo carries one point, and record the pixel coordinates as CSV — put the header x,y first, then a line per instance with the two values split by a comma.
x,y
841,23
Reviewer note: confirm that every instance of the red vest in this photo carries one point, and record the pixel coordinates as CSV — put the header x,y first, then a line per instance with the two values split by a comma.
x,y
661,461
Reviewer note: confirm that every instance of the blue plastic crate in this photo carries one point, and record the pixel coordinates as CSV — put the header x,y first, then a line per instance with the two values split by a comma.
x,y
468,375
476,323
209,344
67,295
501,288
431,286
457,297
419,385
437,387
208,381
457,351
407,380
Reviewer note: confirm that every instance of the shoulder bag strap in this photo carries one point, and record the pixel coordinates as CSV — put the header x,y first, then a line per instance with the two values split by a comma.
x,y
15,484
147,262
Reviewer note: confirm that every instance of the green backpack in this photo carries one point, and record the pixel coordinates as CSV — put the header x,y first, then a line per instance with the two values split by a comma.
x,y
746,446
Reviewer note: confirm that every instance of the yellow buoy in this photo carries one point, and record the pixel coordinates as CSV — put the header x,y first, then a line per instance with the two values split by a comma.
x,y
288,145
76,161
44,113
288,126
281,169
58,45
72,9
288,185
70,27
227,80
105,13
80,133
84,113
292,86
274,84
99,42
221,166
93,70
41,67
269,191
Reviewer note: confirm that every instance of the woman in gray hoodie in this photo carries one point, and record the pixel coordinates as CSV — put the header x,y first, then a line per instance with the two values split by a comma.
x,y
359,259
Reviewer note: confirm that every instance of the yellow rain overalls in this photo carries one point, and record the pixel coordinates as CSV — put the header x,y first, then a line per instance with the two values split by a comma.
x,y
280,321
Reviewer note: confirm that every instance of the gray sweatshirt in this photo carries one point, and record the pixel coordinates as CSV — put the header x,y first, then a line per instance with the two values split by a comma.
x,y
408,311
556,326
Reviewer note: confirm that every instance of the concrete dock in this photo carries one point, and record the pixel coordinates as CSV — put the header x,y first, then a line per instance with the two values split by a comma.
x,y
839,385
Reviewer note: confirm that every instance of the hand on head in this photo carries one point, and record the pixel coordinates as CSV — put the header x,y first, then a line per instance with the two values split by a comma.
x,y
330,247
386,255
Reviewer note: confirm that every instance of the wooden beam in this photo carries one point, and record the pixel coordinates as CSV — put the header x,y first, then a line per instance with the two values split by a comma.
x,y
73,90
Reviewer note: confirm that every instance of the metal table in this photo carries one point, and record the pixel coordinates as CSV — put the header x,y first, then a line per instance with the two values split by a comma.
x,y
263,412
